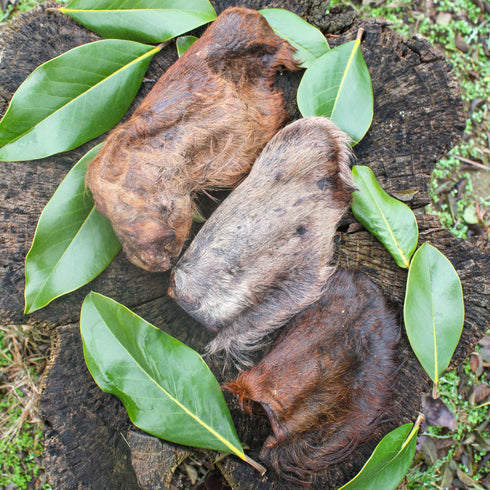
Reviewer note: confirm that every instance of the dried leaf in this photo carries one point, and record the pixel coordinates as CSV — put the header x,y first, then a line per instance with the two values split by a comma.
x,y
469,215
213,481
444,445
405,195
447,476
464,386
437,413
480,393
481,444
467,457
476,364
191,473
467,480
461,44
428,450
485,353
483,426
486,481
485,340
443,18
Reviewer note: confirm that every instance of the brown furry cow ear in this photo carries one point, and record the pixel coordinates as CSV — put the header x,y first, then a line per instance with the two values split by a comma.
x,y
325,385
201,127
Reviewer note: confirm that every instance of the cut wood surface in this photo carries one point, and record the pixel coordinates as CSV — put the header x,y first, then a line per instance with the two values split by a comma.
x,y
89,440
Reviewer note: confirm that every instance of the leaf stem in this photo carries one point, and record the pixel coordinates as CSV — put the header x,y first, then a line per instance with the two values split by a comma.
x,y
162,45
360,32
415,428
255,465
434,392
483,405
52,10
419,420
471,162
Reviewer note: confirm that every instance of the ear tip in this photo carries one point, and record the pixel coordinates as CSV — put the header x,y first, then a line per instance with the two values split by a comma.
x,y
240,388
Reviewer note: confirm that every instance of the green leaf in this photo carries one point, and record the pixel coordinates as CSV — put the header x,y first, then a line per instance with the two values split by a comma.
x,y
165,386
337,85
146,21
389,220
197,217
433,310
389,462
73,242
73,98
184,43
307,39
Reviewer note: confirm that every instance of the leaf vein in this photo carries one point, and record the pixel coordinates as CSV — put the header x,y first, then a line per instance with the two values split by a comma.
x,y
218,436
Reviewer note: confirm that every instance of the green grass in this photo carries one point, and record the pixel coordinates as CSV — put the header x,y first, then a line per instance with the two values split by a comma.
x,y
20,458
23,353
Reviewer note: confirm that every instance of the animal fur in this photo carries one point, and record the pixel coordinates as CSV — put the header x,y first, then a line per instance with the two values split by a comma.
x,y
325,385
201,127
264,254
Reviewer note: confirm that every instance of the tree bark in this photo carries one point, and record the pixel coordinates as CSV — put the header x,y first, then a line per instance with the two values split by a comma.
x,y
89,440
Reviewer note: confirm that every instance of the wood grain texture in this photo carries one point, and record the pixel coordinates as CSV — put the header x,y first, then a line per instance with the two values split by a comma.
x,y
418,117
84,443
154,461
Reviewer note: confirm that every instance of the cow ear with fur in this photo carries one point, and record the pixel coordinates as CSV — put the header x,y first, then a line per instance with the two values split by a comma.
x,y
201,127
325,385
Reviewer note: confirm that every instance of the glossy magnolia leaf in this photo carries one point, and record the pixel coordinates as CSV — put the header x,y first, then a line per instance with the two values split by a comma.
x,y
390,221
73,98
146,21
433,310
197,217
73,242
165,386
337,85
389,462
184,43
307,39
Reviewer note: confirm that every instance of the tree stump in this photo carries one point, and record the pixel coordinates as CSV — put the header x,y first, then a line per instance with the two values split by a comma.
x,y
89,440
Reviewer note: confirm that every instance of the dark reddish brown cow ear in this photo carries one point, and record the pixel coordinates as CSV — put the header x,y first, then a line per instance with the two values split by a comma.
x,y
325,385
239,389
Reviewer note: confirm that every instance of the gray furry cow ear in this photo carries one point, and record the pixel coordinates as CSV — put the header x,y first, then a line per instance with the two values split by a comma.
x,y
326,383
264,254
